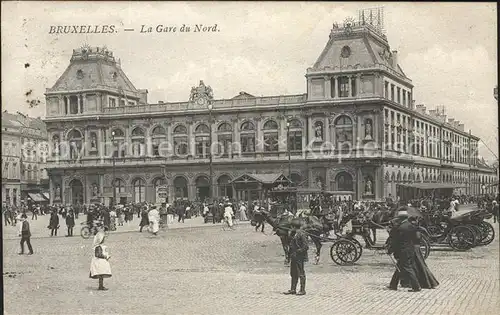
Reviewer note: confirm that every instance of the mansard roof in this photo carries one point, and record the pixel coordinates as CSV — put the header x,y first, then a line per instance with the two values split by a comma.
x,y
357,46
93,68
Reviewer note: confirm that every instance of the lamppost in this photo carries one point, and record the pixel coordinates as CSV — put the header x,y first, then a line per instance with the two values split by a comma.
x,y
288,149
114,175
210,106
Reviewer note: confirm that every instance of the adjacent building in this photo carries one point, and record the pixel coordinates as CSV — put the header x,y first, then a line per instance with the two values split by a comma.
x,y
357,131
24,154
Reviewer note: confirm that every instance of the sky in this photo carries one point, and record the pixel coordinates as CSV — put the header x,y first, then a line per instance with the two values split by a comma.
x,y
449,50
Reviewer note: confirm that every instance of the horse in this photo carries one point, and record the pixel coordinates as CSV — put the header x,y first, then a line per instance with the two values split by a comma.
x,y
312,225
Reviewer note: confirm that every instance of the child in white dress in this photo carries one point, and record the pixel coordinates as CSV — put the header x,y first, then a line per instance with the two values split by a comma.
x,y
99,265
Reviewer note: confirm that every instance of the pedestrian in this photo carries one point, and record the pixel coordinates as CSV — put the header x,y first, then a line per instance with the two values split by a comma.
x,y
298,256
144,219
54,223
99,265
106,218
228,215
25,233
6,214
243,212
112,217
70,222
34,212
403,238
181,212
154,220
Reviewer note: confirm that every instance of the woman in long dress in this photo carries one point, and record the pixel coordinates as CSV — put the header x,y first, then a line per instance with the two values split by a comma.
x,y
99,265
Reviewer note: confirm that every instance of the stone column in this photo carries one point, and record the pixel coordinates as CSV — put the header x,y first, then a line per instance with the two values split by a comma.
x,y
51,190
63,191
326,132
84,101
170,140
191,140
328,89
359,184
358,84
86,142
60,105
259,135
147,143
310,178
236,138
282,135
79,107
336,86
310,129
66,105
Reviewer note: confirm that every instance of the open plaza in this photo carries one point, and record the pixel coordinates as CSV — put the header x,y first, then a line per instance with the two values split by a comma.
x,y
197,268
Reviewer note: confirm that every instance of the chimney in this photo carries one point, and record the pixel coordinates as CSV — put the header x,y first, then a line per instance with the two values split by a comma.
x,y
412,104
451,121
395,58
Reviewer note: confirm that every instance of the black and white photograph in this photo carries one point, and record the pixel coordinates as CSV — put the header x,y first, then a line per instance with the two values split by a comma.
x,y
250,157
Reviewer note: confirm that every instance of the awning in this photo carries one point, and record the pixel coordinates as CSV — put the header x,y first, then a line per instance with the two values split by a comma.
x,y
36,197
46,196
433,185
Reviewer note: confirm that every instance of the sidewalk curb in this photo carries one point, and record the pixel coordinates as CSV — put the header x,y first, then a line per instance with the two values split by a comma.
x,y
137,231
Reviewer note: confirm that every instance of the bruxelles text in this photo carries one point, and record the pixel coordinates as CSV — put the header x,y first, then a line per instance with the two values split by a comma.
x,y
65,151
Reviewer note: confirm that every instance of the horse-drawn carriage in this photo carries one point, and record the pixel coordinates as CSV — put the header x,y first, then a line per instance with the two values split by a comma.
x,y
461,231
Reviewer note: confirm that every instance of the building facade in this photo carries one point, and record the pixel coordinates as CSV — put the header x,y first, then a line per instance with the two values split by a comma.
x,y
24,155
356,131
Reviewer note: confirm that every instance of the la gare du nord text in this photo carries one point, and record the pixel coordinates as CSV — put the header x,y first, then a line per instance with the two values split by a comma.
x,y
160,28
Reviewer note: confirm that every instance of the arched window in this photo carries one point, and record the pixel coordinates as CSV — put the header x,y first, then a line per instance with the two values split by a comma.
x,y
344,182
202,136
139,190
180,140
295,135
225,188
157,182
247,137
119,146
138,142
119,186
344,132
75,144
158,135
180,186
270,136
225,138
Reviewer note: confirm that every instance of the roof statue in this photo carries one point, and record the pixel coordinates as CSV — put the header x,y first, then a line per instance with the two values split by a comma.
x,y
202,91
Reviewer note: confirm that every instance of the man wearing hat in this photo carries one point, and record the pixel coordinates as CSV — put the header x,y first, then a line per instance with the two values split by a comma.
x,y
404,236
298,255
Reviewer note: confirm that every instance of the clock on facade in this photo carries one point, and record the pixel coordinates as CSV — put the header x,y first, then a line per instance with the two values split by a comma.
x,y
201,101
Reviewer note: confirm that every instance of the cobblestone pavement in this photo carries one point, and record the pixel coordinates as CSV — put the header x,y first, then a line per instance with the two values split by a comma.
x,y
210,271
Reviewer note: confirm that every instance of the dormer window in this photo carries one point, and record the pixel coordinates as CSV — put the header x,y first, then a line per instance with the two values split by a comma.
x,y
79,74
114,75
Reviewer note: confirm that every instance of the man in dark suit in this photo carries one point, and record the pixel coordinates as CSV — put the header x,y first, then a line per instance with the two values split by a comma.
x,y
403,237
25,234
298,255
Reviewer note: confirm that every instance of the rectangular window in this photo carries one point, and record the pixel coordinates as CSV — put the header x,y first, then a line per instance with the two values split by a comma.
x,y
247,143
112,102
332,87
270,142
399,95
404,97
122,103
344,87
392,92
386,90
353,88
131,103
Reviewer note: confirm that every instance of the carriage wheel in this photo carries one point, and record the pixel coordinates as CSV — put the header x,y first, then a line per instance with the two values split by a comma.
x,y
461,238
359,248
487,232
425,247
343,252
85,232
477,233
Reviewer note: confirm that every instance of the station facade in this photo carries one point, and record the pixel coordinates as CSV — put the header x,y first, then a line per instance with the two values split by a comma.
x,y
357,131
